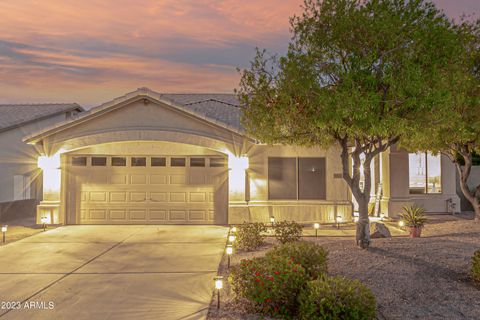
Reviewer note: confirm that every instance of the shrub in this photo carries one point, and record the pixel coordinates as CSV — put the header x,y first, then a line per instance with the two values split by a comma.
x,y
476,267
288,231
250,235
270,285
413,216
336,298
311,256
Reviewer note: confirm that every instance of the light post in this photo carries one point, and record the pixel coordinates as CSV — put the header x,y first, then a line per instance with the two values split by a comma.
x,y
218,286
339,220
229,251
4,232
316,226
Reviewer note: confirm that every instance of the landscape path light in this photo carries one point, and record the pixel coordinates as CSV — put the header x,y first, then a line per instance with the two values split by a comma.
x,y
233,229
43,220
316,226
382,216
4,232
231,238
339,220
229,251
401,223
218,286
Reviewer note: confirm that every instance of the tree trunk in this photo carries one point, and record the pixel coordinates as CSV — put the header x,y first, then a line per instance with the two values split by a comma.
x,y
363,224
464,172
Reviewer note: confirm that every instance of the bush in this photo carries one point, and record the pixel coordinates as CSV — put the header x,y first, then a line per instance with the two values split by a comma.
x,y
311,256
288,231
249,235
413,216
336,298
270,285
476,267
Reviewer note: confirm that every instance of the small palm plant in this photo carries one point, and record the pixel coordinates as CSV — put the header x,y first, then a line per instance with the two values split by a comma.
x,y
414,218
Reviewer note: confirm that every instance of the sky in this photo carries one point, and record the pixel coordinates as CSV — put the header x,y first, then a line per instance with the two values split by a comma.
x,y
92,51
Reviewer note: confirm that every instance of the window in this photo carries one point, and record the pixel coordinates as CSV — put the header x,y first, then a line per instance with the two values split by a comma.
x,y
296,178
311,178
177,162
197,162
119,161
158,162
139,162
424,173
99,161
79,161
218,162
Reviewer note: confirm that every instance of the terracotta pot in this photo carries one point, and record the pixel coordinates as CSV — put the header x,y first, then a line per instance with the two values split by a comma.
x,y
415,232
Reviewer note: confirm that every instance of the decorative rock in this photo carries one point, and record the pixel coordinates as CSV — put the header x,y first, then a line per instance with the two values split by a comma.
x,y
379,230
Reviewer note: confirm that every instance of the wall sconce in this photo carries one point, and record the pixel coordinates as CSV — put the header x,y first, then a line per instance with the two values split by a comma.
x,y
49,163
4,232
229,251
218,286
316,226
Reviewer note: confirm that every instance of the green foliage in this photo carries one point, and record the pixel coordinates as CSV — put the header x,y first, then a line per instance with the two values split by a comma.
x,y
288,231
269,285
336,298
476,267
413,216
250,235
312,257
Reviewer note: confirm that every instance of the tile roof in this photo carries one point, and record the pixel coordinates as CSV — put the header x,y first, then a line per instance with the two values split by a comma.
x,y
13,115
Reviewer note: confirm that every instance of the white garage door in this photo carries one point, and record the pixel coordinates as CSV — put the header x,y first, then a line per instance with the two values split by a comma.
x,y
149,189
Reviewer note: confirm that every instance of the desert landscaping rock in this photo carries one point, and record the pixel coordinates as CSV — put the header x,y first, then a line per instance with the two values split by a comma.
x,y
379,230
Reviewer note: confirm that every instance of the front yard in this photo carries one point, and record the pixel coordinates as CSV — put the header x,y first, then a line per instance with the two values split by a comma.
x,y
423,278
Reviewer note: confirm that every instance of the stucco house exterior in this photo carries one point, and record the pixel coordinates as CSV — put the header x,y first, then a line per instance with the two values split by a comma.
x,y
151,158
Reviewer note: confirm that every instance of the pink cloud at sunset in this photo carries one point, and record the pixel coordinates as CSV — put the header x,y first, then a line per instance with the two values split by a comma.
x,y
91,51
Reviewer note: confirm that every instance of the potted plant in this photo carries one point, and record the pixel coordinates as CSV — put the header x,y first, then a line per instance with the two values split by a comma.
x,y
414,218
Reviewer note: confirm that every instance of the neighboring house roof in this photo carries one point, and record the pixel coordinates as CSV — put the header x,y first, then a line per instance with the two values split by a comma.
x,y
220,109
15,115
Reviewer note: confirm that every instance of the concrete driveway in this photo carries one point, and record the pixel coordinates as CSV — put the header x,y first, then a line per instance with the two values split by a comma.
x,y
111,272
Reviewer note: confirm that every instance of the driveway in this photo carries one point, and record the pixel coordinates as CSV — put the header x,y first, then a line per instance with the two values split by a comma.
x,y
111,272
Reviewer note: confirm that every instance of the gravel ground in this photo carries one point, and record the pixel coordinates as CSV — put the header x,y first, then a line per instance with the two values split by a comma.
x,y
423,278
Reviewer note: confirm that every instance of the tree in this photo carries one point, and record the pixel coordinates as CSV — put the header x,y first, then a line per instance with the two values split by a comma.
x,y
456,129
357,75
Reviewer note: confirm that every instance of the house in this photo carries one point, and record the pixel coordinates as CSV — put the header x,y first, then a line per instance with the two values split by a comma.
x,y
151,158
20,180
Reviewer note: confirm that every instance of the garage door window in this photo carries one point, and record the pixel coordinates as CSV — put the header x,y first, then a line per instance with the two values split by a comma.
x,y
217,162
158,162
79,161
177,162
139,162
99,161
197,162
119,161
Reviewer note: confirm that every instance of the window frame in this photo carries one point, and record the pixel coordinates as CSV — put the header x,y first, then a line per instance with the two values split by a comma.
x,y
424,156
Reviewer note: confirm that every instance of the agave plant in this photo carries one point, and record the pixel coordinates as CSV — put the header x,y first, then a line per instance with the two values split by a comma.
x,y
413,216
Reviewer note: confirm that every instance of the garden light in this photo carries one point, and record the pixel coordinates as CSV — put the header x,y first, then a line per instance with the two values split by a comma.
x,y
339,220
218,286
229,251
382,216
272,220
401,223
231,238
44,221
316,226
4,232
233,229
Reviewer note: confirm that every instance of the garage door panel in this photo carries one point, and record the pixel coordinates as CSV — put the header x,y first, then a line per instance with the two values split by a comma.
x,y
118,215
143,195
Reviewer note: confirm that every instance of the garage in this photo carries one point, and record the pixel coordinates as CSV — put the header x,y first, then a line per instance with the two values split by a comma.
x,y
147,189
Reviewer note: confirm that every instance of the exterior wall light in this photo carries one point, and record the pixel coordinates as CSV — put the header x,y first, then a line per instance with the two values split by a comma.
x,y
218,286
229,251
316,226
231,238
49,163
4,232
